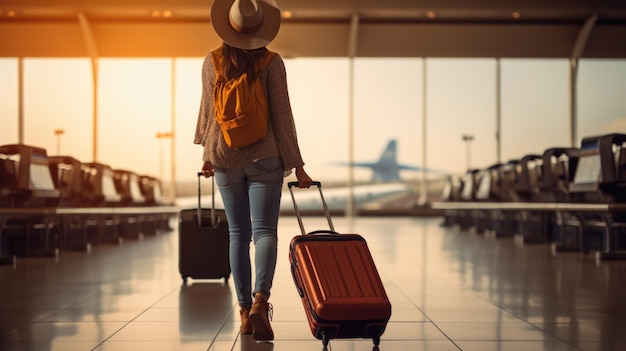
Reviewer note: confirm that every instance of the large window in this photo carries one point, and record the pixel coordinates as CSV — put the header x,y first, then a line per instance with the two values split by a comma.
x,y
135,103
535,106
601,97
461,100
8,100
387,106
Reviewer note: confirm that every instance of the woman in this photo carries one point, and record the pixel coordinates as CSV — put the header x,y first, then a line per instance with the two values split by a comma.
x,y
250,179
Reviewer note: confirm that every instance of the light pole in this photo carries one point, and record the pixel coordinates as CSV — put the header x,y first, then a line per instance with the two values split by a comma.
x,y
161,136
58,133
468,138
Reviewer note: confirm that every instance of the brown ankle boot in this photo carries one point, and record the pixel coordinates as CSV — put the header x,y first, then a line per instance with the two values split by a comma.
x,y
246,326
260,316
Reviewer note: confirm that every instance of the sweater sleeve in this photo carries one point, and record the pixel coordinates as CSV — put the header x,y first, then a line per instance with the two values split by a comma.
x,y
282,116
205,114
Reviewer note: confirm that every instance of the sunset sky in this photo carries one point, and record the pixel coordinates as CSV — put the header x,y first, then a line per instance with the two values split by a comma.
x,y
135,104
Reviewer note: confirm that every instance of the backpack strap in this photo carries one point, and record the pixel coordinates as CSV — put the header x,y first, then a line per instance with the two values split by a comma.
x,y
218,58
266,61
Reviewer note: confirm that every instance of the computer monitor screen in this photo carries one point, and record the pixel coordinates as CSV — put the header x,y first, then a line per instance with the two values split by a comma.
x,y
588,169
534,172
484,187
40,177
468,185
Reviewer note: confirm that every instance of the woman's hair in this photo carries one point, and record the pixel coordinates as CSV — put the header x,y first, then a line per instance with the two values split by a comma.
x,y
238,61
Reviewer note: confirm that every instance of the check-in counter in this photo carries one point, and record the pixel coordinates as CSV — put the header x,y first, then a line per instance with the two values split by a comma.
x,y
506,223
26,183
469,185
600,173
99,185
508,178
532,226
470,182
452,189
528,184
127,184
559,165
49,204
9,191
581,191
600,177
152,191
488,190
99,191
67,175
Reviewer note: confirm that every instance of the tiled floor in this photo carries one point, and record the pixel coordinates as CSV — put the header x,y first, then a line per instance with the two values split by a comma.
x,y
449,290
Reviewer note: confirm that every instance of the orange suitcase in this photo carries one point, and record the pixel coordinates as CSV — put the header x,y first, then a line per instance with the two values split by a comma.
x,y
340,288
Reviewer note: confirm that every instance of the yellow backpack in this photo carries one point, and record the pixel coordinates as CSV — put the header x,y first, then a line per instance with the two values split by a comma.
x,y
241,107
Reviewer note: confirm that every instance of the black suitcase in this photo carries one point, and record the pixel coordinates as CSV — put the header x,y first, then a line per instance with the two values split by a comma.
x,y
203,242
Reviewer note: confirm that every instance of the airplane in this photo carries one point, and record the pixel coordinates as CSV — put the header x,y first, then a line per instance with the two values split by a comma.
x,y
386,180
386,169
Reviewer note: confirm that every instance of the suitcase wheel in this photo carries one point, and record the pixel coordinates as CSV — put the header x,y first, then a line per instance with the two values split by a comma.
x,y
325,339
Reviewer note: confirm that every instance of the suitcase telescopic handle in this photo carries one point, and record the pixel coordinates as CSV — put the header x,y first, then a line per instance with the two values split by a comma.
x,y
199,210
290,185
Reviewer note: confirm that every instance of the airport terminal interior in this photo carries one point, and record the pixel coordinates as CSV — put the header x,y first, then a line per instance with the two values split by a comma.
x,y
527,255
524,254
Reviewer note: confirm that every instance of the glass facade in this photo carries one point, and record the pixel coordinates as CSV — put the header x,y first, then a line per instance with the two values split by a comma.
x,y
391,99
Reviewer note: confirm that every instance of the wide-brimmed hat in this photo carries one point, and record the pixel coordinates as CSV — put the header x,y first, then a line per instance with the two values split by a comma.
x,y
246,24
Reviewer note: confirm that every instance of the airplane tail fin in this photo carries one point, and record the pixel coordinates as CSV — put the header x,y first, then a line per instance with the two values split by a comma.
x,y
389,155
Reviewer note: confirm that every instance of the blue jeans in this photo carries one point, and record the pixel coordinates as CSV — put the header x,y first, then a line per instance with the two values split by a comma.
x,y
251,197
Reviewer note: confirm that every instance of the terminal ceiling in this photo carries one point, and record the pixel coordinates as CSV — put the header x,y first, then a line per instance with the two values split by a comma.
x,y
321,28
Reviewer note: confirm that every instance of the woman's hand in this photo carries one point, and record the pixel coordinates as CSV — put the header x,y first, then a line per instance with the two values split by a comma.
x,y
207,169
304,181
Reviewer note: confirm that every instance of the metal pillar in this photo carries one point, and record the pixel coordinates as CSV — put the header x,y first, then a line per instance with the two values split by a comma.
x,y
20,102
423,197
577,52
498,112
92,50
352,49
173,133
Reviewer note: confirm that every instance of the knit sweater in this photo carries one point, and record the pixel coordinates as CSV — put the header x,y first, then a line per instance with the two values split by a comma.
x,y
280,141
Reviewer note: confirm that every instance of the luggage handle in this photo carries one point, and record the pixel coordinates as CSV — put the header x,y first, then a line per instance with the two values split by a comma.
x,y
290,185
214,220
323,231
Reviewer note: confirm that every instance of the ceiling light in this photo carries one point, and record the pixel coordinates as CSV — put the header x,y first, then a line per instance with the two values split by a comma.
x,y
516,14
431,14
156,13
287,14
167,13
11,13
